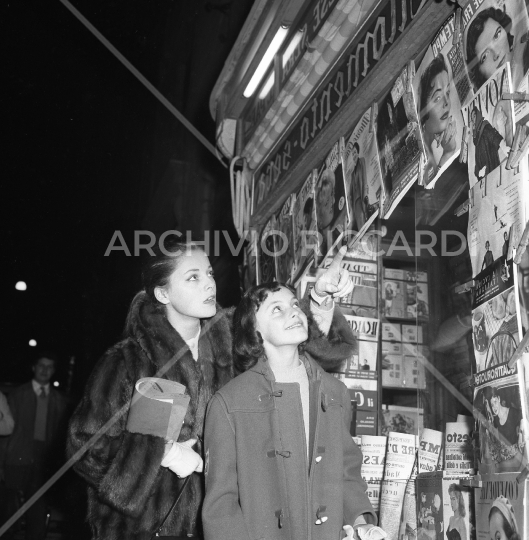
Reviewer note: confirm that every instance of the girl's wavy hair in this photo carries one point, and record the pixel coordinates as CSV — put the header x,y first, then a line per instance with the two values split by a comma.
x,y
475,30
248,342
454,488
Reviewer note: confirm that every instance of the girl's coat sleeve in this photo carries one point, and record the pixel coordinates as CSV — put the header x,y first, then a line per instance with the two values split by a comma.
x,y
221,514
122,467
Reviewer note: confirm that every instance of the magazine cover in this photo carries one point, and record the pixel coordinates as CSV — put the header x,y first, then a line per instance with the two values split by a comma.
x,y
401,419
362,301
490,123
496,216
362,387
363,182
495,331
498,409
267,250
398,141
305,228
366,332
501,507
331,208
494,34
429,506
438,103
285,241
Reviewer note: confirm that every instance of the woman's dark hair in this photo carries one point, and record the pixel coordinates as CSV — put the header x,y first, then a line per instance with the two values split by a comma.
x,y
475,30
436,66
309,204
158,268
248,343
510,533
454,488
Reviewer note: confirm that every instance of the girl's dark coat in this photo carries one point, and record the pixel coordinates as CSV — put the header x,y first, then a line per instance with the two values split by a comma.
x,y
129,493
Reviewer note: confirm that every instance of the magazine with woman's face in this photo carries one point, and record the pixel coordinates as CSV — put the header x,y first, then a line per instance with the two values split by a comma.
x,y
494,34
438,103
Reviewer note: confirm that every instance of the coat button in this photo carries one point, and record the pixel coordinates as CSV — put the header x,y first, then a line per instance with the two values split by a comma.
x,y
318,459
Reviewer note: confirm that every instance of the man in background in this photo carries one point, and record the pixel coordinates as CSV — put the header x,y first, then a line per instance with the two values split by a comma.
x,y
37,442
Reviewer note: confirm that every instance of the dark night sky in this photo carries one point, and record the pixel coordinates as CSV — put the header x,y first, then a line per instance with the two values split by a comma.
x,y
79,134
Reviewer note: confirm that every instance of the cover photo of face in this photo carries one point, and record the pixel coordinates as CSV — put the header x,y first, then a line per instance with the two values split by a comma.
x,y
490,124
331,209
438,103
305,226
494,33
399,141
285,241
363,179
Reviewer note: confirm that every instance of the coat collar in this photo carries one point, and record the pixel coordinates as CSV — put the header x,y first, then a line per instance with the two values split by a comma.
x,y
314,371
149,327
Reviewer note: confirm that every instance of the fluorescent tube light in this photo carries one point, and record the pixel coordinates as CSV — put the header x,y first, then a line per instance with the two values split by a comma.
x,y
266,88
292,47
280,36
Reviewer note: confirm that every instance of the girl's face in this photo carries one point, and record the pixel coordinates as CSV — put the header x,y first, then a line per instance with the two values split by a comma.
x,y
453,501
281,321
496,527
492,48
191,290
438,106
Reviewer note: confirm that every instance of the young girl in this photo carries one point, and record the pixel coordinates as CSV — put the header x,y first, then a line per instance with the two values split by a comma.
x,y
280,462
174,330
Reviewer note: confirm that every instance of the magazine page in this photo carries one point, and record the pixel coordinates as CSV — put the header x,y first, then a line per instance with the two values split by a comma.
x,y
437,94
501,507
430,445
400,458
458,458
398,141
331,207
363,182
305,228
498,409
408,520
494,34
366,332
490,123
458,509
267,250
285,241
401,419
374,452
430,506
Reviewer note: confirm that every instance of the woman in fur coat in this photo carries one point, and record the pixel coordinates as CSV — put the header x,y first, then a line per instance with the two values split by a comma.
x,y
174,330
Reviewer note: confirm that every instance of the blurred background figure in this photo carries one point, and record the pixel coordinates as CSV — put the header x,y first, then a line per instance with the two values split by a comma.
x,y
36,446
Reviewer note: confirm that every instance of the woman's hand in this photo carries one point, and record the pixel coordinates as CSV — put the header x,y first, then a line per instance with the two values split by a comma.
x,y
335,280
182,459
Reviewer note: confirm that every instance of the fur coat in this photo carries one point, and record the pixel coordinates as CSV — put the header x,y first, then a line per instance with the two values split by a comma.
x,y
129,493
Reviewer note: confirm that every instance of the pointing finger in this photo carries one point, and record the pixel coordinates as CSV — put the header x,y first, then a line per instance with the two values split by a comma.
x,y
336,262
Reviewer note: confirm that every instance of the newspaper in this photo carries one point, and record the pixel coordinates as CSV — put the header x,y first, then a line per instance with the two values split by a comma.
x,y
305,229
331,207
458,457
499,403
363,182
430,445
504,25
374,452
408,520
285,241
400,459
437,85
501,500
399,142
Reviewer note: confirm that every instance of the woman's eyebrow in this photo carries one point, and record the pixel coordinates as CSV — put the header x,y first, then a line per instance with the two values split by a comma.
x,y
192,270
